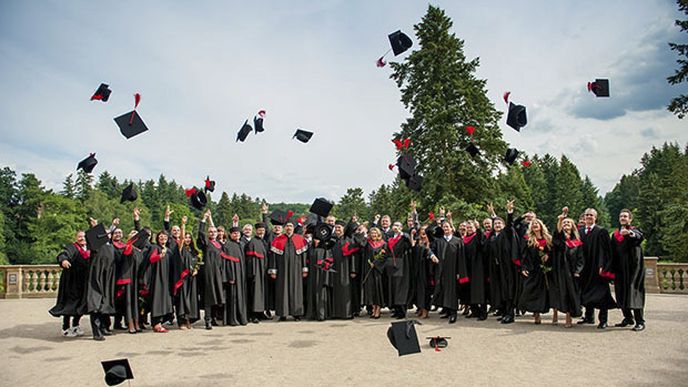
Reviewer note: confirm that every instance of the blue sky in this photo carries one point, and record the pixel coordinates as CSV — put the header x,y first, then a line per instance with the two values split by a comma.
x,y
204,67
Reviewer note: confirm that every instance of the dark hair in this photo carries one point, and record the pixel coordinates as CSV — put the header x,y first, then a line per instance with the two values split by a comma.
x,y
626,210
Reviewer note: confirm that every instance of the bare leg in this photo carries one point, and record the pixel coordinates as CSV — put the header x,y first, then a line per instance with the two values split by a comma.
x,y
555,316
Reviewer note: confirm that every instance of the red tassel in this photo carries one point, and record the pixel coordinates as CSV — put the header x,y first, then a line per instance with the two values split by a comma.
x,y
207,182
589,86
506,96
526,163
190,192
290,213
431,216
470,130
407,142
261,113
397,143
391,167
381,62
137,99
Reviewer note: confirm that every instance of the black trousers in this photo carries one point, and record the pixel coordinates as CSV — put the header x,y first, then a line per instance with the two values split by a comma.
x,y
65,321
98,323
590,314
633,314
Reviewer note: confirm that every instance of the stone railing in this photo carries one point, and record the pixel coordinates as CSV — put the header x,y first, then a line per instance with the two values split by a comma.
x,y
672,277
29,281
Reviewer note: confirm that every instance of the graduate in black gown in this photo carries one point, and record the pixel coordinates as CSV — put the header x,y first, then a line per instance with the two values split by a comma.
x,y
320,272
476,262
235,280
345,266
628,265
450,271
100,291
71,293
423,272
184,273
398,269
126,298
596,274
213,269
288,267
158,262
256,253
535,267
270,236
374,253
504,254
567,264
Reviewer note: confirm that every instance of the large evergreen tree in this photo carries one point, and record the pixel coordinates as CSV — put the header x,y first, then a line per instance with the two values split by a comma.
x,y
679,105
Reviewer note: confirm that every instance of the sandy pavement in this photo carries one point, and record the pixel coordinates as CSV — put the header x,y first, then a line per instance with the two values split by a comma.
x,y
352,352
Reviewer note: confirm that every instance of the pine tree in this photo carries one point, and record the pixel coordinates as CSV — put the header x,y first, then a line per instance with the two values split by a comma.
x,y
591,199
68,187
439,87
352,203
83,185
567,188
108,185
624,195
679,105
224,212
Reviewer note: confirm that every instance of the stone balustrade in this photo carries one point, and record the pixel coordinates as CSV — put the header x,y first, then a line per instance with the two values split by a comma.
x,y
38,281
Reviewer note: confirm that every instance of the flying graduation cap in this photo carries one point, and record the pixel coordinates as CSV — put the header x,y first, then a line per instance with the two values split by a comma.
x,y
472,149
209,185
244,131
415,183
130,124
303,135
399,42
516,116
96,237
511,155
321,207
129,194
258,121
102,93
88,163
117,371
600,87
197,198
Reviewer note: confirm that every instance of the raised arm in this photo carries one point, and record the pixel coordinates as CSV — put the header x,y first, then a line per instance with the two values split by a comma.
x,y
137,219
166,220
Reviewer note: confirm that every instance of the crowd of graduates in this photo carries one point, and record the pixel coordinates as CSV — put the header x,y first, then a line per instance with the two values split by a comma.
x,y
318,267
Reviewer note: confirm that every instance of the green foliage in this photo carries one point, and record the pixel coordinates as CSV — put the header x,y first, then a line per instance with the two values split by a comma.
x,y
352,203
58,220
679,105
675,231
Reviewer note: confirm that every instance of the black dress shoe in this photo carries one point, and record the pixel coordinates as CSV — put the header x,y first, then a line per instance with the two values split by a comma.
x,y
602,325
297,318
624,323
452,319
268,314
507,320
98,338
118,327
482,317
639,327
400,316
106,332
283,319
208,325
214,322
585,321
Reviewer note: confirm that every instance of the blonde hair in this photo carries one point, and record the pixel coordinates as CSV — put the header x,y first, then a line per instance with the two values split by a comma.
x,y
376,230
574,228
532,239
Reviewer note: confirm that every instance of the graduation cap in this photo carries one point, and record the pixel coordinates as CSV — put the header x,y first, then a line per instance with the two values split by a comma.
x,y
350,228
102,94
117,371
129,194
198,199
400,42
516,117
258,121
437,232
279,217
209,184
321,207
511,155
328,245
472,150
415,183
402,335
407,167
244,131
130,124
600,87
438,342
96,237
322,232
139,240
88,163
303,135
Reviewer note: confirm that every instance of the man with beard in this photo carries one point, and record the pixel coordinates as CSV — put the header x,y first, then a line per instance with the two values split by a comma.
x,y
235,281
345,266
256,254
287,268
400,256
447,253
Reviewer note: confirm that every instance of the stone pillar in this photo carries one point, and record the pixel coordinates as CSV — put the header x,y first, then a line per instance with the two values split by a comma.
x,y
13,281
651,275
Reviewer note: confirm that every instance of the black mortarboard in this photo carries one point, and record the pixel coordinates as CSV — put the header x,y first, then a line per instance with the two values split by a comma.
x,y
258,122
350,228
278,217
437,232
600,87
117,371
322,232
198,200
209,185
96,237
415,183
244,131
438,342
511,155
321,207
516,118
400,42
88,163
141,238
303,135
102,94
129,194
472,149
407,166
130,124
328,244
403,337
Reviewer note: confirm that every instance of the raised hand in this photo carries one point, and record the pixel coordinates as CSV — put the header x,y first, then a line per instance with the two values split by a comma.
x,y
137,214
184,219
115,222
264,208
441,212
413,205
92,222
510,206
490,209
168,212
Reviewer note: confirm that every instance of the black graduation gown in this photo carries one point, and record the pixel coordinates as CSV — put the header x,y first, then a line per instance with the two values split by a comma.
x,y
399,257
424,277
504,250
372,272
478,270
449,272
71,293
100,292
535,294
567,260
289,263
319,289
159,299
213,269
344,265
595,292
256,274
236,303
126,297
184,289
628,265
